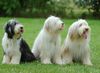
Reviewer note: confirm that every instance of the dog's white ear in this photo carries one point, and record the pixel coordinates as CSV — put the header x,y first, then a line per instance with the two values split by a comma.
x,y
47,25
72,31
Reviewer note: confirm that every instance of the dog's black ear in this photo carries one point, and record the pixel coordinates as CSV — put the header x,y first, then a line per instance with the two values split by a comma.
x,y
9,30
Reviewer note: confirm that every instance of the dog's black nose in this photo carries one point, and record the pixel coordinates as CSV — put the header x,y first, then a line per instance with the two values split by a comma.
x,y
86,29
21,27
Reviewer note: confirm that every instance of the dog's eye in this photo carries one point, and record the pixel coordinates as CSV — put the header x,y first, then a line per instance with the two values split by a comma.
x,y
80,25
15,23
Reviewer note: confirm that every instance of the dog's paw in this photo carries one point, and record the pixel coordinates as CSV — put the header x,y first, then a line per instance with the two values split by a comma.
x,y
59,62
46,61
89,64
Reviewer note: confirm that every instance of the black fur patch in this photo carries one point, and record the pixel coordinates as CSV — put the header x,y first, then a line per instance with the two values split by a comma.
x,y
9,28
26,54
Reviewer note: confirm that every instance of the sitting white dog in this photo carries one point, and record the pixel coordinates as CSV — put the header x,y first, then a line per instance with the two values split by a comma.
x,y
48,42
76,45
15,48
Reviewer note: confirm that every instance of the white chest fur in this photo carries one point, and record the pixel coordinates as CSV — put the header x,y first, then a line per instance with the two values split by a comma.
x,y
10,46
78,48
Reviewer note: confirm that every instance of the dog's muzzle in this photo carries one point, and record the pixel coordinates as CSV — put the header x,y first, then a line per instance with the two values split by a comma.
x,y
85,33
62,26
21,29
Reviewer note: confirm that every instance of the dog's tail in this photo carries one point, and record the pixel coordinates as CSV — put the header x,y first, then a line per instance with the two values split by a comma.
x,y
26,54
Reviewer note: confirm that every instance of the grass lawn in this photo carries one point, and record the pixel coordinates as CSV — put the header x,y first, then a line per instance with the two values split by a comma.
x,y
32,28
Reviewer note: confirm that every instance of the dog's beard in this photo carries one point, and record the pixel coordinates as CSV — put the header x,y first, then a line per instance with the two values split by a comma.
x,y
77,36
18,29
61,27
19,33
85,35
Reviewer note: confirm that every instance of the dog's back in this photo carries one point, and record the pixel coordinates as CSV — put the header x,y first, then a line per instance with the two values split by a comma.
x,y
26,54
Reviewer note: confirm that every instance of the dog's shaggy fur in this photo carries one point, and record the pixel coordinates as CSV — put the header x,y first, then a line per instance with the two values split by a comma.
x,y
48,42
16,50
76,45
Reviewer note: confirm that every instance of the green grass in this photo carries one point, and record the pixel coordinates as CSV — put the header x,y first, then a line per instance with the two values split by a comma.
x,y
32,28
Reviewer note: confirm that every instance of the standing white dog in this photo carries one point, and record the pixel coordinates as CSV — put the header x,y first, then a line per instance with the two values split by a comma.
x,y
48,42
76,45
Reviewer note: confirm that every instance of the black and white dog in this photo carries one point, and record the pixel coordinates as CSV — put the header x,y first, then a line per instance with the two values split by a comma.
x,y
16,50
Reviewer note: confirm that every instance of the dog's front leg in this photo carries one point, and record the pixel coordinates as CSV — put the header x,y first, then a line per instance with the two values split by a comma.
x,y
86,58
57,59
6,59
16,59
45,58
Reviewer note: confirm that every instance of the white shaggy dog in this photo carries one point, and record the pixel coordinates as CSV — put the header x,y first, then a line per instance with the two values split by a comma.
x,y
16,50
76,45
48,42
